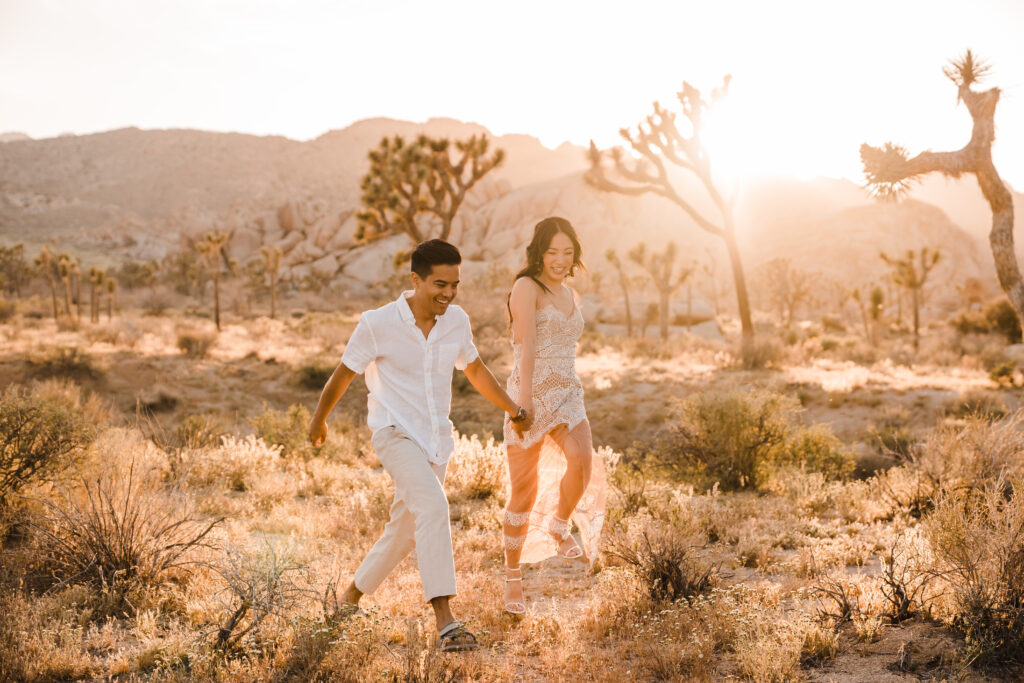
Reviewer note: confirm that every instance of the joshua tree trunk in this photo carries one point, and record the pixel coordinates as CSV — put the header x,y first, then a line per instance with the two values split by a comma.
x,y
216,297
889,170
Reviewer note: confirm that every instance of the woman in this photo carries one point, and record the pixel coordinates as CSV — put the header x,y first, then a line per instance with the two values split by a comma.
x,y
554,475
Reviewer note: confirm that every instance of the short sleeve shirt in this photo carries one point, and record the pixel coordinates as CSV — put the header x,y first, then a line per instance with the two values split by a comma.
x,y
409,376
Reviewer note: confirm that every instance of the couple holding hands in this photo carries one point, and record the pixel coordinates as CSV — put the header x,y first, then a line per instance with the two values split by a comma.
x,y
408,350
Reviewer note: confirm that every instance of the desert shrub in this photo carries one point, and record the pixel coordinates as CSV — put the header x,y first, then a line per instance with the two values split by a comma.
x,y
195,343
64,362
891,432
905,577
666,559
236,463
288,429
1001,317
477,469
313,375
977,537
197,431
7,309
970,322
258,585
986,404
762,352
116,527
815,449
829,344
38,433
725,436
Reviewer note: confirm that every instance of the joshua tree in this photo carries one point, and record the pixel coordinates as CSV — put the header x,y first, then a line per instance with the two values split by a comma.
x,y
272,266
613,259
76,285
45,263
211,247
911,272
659,142
786,286
64,271
890,171
111,288
15,270
406,181
96,278
661,268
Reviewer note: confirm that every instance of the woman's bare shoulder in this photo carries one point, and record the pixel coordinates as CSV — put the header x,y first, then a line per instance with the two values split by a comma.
x,y
525,289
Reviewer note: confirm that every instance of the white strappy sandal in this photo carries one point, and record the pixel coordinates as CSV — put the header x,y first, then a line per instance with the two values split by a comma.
x,y
515,606
560,529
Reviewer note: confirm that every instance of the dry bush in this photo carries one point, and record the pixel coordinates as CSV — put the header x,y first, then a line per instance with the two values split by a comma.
x,y
737,437
905,577
313,375
118,526
763,352
237,464
195,343
890,433
40,431
64,363
666,559
289,429
477,470
198,431
977,536
977,402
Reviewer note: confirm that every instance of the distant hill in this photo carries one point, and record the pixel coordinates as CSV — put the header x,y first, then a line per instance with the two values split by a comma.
x,y
131,194
13,137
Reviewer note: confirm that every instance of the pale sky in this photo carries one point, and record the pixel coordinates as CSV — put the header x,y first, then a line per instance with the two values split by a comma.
x,y
811,80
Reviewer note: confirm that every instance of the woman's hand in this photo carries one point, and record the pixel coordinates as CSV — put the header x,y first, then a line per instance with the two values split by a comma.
x,y
523,426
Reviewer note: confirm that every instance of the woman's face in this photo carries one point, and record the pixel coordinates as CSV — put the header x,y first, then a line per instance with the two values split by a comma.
x,y
558,258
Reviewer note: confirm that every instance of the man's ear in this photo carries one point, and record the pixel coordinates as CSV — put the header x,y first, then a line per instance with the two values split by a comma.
x,y
415,279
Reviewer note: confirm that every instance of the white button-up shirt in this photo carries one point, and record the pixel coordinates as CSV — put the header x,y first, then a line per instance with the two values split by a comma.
x,y
410,376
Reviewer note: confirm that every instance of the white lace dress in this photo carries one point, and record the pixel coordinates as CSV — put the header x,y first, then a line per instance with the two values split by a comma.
x,y
557,400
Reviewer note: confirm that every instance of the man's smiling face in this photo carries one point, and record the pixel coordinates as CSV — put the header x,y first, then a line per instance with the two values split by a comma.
x,y
436,291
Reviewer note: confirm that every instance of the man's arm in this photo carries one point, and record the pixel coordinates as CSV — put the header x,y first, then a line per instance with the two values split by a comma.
x,y
333,391
482,379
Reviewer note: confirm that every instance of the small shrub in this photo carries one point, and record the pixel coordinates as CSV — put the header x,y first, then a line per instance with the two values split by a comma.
x,y
38,433
195,344
829,344
7,309
235,463
815,449
1001,317
288,429
477,470
313,375
198,431
66,363
726,436
986,404
761,352
891,433
117,527
905,578
978,540
665,559
820,646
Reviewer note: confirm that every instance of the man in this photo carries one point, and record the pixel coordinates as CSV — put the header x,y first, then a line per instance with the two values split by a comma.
x,y
408,350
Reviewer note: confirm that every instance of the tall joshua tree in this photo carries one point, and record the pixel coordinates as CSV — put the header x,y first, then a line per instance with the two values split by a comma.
x,y
46,264
662,269
96,278
272,266
911,272
407,181
890,171
613,259
111,288
76,286
659,142
211,247
64,271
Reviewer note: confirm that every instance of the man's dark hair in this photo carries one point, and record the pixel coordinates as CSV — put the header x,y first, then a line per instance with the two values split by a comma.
x,y
432,253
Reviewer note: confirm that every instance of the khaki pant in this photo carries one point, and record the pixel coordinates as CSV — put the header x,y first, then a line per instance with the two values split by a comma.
x,y
419,519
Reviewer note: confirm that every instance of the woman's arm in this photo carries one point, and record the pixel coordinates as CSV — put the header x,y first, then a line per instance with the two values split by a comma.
x,y
523,304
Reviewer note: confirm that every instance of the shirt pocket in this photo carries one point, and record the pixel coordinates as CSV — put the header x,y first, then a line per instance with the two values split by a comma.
x,y
445,357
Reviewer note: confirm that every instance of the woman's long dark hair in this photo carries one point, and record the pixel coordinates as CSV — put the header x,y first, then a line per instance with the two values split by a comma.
x,y
543,233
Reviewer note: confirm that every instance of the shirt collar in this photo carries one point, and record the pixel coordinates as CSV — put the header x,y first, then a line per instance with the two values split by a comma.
x,y
405,310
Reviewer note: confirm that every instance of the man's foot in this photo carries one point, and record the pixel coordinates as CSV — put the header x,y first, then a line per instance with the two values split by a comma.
x,y
514,603
565,543
455,638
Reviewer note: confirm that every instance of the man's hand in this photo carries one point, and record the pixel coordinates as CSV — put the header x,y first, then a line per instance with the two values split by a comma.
x,y
523,425
317,432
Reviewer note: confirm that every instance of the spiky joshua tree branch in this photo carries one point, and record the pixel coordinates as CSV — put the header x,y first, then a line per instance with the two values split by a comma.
x,y
890,171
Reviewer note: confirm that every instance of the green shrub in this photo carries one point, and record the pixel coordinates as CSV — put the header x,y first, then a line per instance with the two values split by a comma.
x,y
1001,317
288,429
976,536
725,436
64,362
38,433
816,449
313,375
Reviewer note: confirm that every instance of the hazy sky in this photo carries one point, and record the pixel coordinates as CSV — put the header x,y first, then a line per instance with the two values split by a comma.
x,y
811,80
